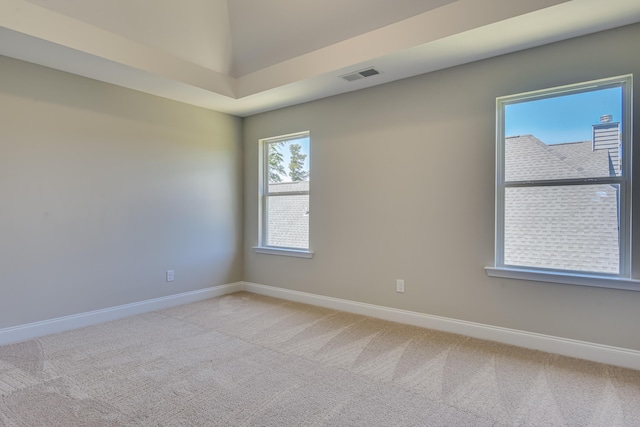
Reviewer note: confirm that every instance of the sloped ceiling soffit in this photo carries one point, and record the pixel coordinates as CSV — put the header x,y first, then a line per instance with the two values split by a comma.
x,y
248,56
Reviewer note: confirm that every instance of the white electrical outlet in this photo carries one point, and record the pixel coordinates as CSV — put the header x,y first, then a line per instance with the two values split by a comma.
x,y
170,275
399,285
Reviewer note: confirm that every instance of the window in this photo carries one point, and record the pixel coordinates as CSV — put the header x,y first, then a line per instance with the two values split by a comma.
x,y
563,184
284,195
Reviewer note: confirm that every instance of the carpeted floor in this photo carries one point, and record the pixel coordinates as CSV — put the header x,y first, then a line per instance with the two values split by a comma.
x,y
249,360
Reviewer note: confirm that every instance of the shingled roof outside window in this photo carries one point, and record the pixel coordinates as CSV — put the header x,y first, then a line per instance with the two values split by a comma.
x,y
560,227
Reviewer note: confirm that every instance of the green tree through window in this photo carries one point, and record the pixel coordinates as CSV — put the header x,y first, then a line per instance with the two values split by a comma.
x,y
276,162
296,164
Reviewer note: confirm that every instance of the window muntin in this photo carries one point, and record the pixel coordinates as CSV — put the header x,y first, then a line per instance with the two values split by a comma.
x,y
284,194
563,194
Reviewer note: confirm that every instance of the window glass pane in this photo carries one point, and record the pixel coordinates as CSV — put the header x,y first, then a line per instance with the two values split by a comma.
x,y
288,165
282,187
563,227
565,136
288,221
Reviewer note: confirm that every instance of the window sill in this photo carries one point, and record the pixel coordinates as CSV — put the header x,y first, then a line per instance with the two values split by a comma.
x,y
565,278
299,253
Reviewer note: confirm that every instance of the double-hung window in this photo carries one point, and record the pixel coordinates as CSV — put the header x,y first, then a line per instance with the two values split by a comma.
x,y
284,195
563,184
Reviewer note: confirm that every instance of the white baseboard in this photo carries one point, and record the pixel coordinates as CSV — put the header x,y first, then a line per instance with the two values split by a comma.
x,y
61,324
567,347
617,356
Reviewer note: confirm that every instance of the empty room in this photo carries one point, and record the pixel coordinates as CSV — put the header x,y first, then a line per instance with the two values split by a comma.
x,y
330,213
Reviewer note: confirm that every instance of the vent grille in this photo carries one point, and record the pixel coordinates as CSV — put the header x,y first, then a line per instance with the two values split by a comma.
x,y
360,74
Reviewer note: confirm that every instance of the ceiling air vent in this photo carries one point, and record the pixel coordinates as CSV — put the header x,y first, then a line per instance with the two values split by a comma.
x,y
360,74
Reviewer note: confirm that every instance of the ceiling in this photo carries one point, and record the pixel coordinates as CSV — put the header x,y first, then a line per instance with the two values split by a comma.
x,y
248,56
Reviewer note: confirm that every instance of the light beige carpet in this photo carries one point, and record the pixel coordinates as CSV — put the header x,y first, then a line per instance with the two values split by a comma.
x,y
249,360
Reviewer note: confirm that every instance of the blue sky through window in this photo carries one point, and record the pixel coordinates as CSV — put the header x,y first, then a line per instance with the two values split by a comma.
x,y
565,118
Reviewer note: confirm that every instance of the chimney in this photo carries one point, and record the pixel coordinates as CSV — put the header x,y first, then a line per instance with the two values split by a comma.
x,y
606,136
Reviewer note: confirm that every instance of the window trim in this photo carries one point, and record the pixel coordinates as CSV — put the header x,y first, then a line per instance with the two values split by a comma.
x,y
623,280
276,250
263,195
593,280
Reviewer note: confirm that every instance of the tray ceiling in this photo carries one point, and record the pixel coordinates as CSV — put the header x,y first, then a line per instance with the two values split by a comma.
x,y
248,56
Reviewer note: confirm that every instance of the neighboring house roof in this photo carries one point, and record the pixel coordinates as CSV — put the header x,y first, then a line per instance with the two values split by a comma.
x,y
279,187
582,157
531,159
561,227
288,216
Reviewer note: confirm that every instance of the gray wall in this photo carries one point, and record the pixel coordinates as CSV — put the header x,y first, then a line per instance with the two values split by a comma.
x,y
103,189
403,187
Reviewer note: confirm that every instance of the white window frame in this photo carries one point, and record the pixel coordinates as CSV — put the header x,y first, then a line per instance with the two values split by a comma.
x,y
622,280
264,195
